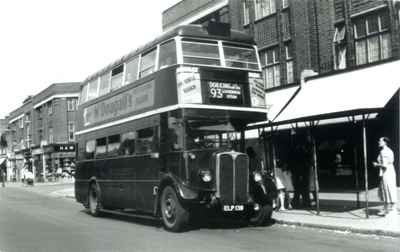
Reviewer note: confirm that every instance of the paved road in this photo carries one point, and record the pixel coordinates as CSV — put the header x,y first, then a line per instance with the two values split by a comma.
x,y
33,221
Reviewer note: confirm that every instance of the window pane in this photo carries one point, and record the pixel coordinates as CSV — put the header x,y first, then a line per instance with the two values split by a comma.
x,y
277,75
116,81
114,143
289,71
361,52
167,54
148,63
269,77
240,57
269,56
144,142
360,29
104,84
101,146
128,143
373,25
285,23
373,49
92,89
199,49
131,70
384,21
83,94
246,13
386,48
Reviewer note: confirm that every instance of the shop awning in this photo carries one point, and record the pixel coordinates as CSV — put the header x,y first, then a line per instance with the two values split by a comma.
x,y
361,91
277,100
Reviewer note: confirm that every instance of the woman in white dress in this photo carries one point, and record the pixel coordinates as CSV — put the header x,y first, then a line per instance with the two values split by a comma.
x,y
387,188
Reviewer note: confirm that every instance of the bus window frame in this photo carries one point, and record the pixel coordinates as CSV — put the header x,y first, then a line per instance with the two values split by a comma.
x,y
153,68
159,52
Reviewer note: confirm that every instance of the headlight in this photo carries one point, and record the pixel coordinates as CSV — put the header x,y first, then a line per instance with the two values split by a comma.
x,y
257,176
205,176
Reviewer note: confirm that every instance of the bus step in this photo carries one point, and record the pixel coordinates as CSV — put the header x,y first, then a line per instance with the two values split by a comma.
x,y
135,215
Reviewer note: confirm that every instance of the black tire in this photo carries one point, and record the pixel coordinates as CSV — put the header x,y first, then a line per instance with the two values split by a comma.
x,y
174,216
262,216
94,205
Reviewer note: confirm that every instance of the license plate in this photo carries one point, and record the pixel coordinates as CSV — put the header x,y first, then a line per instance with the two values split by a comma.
x,y
233,208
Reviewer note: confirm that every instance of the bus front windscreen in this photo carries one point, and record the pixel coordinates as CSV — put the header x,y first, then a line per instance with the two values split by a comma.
x,y
209,134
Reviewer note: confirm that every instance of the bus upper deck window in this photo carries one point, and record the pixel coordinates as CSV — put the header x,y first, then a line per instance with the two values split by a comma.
x,y
92,89
240,56
203,53
131,70
83,94
147,63
104,84
116,77
167,54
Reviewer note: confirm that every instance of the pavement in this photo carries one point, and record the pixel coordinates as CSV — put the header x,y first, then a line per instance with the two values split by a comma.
x,y
338,211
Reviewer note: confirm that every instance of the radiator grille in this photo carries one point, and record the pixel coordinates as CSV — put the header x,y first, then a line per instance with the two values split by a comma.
x,y
232,170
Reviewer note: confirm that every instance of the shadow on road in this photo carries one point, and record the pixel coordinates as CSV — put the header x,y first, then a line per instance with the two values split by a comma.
x,y
212,223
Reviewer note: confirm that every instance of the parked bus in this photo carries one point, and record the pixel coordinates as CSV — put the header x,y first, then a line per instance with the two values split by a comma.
x,y
161,131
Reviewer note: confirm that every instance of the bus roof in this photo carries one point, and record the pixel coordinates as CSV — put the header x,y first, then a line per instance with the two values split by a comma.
x,y
197,31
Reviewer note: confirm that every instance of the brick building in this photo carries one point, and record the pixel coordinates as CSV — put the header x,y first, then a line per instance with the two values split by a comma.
x,y
328,37
293,35
41,131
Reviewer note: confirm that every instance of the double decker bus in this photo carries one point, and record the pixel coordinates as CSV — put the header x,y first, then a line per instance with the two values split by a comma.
x,y
161,131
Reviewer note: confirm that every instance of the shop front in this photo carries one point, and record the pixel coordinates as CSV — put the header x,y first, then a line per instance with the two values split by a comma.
x,y
336,121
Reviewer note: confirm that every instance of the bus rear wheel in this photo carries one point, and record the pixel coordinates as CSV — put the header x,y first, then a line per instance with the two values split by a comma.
x,y
175,217
94,200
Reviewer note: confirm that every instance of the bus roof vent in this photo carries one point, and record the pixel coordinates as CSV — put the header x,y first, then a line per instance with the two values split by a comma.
x,y
218,29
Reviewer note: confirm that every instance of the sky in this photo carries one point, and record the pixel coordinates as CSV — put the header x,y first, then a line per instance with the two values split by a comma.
x,y
52,41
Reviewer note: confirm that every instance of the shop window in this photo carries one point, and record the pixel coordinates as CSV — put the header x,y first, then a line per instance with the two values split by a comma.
x,y
101,147
127,143
167,54
372,38
271,68
114,143
90,148
264,8
71,131
116,77
131,70
246,12
147,63
104,84
146,142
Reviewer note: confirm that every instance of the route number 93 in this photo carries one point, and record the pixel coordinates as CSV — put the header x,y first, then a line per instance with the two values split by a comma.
x,y
216,93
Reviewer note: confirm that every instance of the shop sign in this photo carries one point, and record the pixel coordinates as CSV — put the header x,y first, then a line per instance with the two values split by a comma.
x,y
121,104
64,147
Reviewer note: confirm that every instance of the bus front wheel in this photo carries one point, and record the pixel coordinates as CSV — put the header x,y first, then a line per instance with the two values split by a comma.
x,y
94,200
175,217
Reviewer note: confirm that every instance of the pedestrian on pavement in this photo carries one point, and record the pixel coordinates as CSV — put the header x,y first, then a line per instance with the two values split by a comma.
x,y
387,188
3,174
283,179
